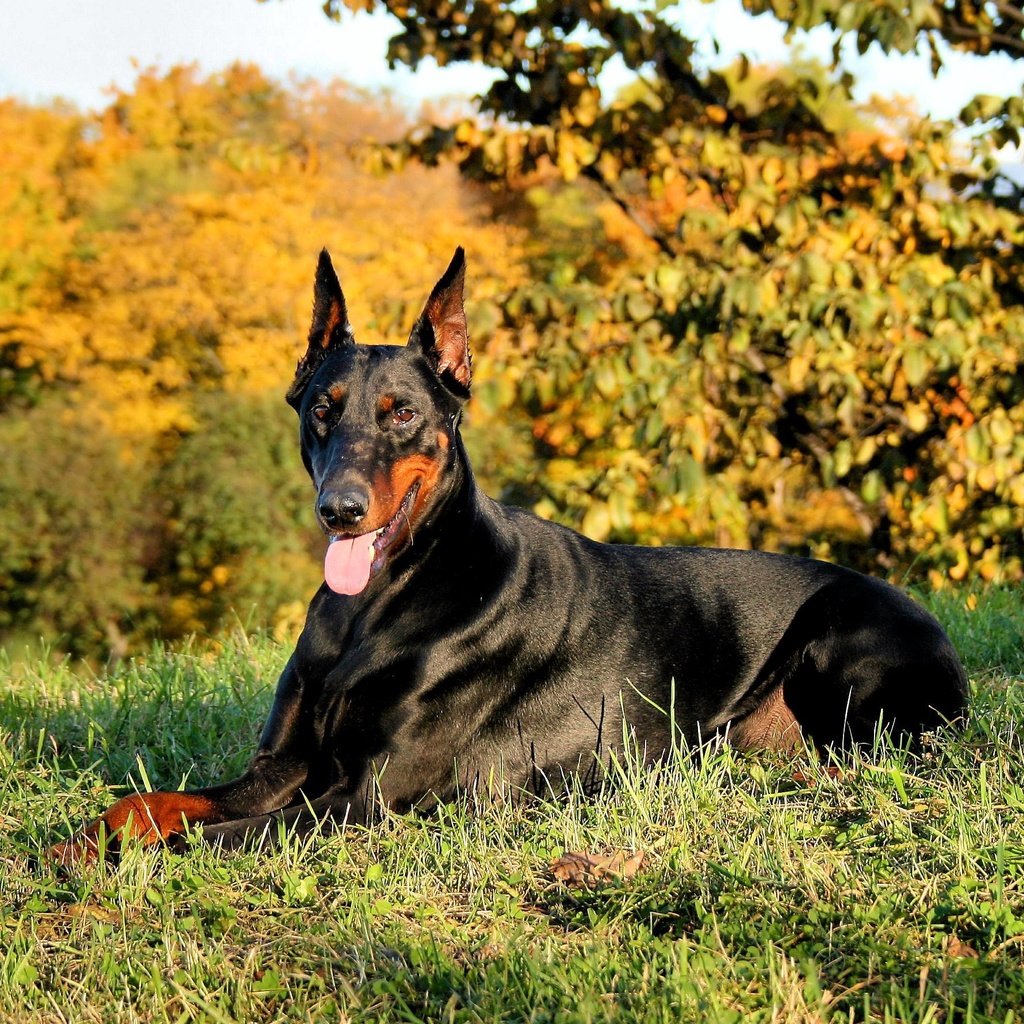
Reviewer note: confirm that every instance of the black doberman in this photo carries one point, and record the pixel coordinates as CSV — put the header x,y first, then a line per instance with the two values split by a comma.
x,y
458,643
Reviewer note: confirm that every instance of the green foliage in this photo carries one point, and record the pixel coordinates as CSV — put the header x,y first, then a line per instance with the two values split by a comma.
x,y
236,531
967,26
757,314
75,520
972,26
155,273
815,339
841,366
105,546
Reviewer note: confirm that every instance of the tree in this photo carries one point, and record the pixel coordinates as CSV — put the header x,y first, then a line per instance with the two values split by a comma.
x,y
156,265
979,27
819,344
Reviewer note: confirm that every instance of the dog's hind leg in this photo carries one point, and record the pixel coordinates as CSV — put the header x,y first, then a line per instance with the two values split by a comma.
x,y
856,658
770,726
871,660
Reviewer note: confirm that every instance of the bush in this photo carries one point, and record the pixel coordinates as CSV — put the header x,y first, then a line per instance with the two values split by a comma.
x,y
836,371
237,533
77,523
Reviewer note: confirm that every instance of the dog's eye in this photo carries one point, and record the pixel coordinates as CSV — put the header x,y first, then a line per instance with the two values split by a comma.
x,y
319,411
404,415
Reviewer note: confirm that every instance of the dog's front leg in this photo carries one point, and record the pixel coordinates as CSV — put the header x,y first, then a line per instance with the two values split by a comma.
x,y
329,812
272,780
153,817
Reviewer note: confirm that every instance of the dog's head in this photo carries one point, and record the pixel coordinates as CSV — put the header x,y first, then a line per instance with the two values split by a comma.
x,y
379,423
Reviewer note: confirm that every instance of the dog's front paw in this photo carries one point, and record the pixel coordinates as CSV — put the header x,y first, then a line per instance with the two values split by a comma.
x,y
145,818
75,853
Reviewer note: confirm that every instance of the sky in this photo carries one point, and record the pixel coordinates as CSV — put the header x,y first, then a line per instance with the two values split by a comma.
x,y
77,49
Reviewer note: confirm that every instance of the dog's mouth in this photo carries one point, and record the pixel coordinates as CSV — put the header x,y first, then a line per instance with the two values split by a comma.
x,y
351,561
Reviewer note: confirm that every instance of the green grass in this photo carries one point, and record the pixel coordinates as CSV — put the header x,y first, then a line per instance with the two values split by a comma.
x,y
771,891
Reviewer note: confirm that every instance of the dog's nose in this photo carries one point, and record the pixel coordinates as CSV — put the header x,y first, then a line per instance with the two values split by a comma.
x,y
343,508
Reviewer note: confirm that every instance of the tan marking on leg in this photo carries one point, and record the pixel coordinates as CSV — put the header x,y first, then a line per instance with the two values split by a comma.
x,y
770,726
146,817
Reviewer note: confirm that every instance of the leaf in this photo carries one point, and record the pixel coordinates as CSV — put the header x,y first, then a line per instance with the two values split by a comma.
x,y
584,870
959,949
811,781
93,910
773,171
597,522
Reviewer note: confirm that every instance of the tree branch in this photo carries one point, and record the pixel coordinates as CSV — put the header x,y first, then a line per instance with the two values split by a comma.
x,y
1009,11
1008,44
656,236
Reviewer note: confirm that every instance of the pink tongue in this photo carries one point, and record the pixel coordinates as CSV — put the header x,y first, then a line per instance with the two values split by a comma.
x,y
347,565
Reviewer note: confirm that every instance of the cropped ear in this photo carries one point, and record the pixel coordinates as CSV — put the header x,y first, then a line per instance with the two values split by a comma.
x,y
329,330
441,329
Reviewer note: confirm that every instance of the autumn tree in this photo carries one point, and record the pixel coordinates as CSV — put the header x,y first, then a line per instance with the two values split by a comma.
x,y
979,27
817,346
156,270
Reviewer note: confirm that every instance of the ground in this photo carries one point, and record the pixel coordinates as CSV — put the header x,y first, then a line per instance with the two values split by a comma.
x,y
884,887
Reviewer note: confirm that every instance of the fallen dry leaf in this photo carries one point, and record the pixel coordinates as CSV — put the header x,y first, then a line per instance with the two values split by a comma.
x,y
957,948
810,781
92,910
586,869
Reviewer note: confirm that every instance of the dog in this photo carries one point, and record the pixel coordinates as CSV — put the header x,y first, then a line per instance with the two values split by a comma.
x,y
459,644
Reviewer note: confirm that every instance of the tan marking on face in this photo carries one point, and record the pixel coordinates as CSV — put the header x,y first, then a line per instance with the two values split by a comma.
x,y
337,393
388,492
387,403
405,473
442,440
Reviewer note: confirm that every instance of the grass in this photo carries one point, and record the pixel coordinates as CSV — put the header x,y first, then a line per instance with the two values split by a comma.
x,y
771,889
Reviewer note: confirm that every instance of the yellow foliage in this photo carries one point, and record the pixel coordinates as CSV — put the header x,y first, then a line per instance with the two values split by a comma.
x,y
201,209
36,230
